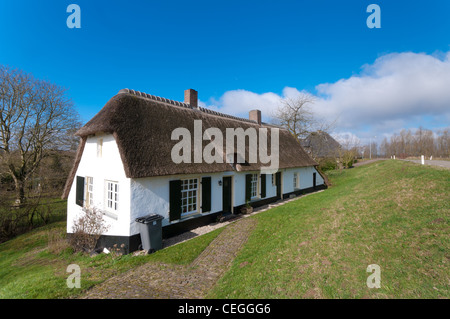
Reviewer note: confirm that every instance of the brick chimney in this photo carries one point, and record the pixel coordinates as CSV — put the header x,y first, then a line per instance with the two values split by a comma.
x,y
255,115
191,97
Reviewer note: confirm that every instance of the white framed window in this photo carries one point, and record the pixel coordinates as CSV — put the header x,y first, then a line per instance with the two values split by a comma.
x,y
273,179
112,195
254,186
89,191
99,147
189,196
295,180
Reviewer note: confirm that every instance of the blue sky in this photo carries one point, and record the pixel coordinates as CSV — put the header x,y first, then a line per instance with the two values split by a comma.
x,y
231,51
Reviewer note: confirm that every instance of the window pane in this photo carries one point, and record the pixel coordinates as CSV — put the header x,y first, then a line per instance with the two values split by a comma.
x,y
189,195
112,195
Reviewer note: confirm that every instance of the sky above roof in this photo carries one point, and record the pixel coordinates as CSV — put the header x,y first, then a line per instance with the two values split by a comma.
x,y
243,55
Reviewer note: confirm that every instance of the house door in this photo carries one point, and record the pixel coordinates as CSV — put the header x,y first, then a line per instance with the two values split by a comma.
x,y
314,180
227,206
278,183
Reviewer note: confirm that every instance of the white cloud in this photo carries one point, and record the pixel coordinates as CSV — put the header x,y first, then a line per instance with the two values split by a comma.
x,y
398,90
240,102
346,139
396,86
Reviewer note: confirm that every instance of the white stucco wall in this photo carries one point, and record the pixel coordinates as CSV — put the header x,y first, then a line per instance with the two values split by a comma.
x,y
107,167
305,178
139,197
151,195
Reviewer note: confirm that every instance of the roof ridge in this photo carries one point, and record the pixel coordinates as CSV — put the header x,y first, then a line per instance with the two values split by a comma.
x,y
155,98
182,104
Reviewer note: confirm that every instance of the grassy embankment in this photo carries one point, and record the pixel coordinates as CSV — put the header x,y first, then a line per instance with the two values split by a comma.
x,y
394,214
34,265
391,213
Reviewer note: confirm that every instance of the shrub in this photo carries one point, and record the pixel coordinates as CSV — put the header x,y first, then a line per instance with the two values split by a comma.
x,y
348,163
57,241
17,220
327,164
87,229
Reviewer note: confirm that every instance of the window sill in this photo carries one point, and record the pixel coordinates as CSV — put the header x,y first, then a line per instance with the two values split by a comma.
x,y
189,215
110,214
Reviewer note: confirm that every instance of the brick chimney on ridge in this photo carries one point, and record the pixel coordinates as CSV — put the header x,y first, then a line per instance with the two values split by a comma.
x,y
255,115
191,97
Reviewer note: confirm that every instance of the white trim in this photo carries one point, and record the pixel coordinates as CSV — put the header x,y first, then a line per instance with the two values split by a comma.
x,y
190,196
295,179
111,196
254,186
89,191
99,148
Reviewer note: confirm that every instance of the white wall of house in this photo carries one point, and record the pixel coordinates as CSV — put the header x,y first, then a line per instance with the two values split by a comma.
x,y
305,179
103,167
151,195
139,197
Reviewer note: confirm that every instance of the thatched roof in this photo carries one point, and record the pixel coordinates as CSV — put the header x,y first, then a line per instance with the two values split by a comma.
x,y
320,144
142,125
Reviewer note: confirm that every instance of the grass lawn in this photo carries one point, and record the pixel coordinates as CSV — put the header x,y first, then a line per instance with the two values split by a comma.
x,y
35,213
392,213
28,269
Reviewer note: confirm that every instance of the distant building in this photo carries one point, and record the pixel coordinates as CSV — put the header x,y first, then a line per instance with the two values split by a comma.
x,y
320,144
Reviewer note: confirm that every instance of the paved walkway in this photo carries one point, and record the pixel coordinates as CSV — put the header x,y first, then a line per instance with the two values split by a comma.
x,y
158,280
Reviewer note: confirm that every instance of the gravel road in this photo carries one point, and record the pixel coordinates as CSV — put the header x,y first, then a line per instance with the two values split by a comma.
x,y
445,164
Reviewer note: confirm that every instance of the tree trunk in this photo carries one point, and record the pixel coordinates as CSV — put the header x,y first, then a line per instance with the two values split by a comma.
x,y
20,192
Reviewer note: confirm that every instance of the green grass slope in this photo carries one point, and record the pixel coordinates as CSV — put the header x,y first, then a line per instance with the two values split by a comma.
x,y
30,268
391,213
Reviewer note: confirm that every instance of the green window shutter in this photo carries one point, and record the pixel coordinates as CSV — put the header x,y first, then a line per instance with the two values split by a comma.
x,y
206,194
263,185
174,200
248,187
79,196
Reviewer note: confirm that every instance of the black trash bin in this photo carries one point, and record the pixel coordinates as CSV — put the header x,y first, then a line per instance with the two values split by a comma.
x,y
151,232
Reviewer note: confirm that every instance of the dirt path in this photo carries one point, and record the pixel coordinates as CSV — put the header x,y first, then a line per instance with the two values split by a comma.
x,y
368,162
444,164
158,280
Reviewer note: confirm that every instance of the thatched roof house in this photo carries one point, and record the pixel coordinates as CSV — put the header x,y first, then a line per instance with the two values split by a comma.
x,y
320,144
124,165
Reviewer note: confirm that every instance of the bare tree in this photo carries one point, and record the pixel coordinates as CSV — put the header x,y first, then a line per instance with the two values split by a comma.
x,y
421,142
35,117
349,151
443,142
296,116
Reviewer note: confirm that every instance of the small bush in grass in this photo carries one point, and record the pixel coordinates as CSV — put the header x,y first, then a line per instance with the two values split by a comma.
x,y
57,241
327,164
17,220
87,229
